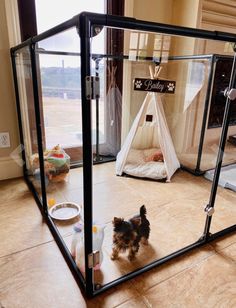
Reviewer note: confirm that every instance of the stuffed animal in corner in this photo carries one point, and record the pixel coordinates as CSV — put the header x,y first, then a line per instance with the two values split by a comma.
x,y
56,164
157,156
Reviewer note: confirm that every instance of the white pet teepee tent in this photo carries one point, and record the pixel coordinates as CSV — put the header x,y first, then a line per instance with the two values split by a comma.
x,y
148,134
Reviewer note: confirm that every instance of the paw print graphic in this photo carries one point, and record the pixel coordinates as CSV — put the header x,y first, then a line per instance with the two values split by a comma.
x,y
171,86
138,84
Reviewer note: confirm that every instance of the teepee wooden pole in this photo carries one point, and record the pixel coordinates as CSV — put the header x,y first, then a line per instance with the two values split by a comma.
x,y
157,71
151,72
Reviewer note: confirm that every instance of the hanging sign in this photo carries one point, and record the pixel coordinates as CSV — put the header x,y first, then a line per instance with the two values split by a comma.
x,y
154,85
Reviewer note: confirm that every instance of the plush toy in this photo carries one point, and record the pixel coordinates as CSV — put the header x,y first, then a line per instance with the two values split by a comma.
x,y
56,164
49,169
35,161
157,156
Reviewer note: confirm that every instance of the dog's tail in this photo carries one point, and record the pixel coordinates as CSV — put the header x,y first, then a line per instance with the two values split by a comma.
x,y
143,211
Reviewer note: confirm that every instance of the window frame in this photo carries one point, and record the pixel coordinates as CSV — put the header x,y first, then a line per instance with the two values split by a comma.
x,y
28,28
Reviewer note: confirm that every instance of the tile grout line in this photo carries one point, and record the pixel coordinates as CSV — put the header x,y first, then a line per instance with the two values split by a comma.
x,y
19,251
226,257
18,199
200,261
125,301
181,271
38,245
146,301
220,252
230,244
118,305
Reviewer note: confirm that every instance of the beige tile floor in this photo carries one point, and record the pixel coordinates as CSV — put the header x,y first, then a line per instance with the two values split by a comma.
x,y
33,272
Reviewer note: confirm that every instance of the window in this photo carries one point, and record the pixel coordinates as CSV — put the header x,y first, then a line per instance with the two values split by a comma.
x,y
60,77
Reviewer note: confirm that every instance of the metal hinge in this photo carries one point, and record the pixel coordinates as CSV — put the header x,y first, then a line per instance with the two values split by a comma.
x,y
93,258
92,87
231,94
209,210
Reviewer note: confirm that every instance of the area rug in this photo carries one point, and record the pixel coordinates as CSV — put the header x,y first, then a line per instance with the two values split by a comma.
x,y
227,176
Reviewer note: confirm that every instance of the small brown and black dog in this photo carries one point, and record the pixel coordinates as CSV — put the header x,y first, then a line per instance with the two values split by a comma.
x,y
128,234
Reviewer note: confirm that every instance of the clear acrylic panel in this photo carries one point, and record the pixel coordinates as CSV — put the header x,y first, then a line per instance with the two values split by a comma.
x,y
66,41
224,160
61,100
225,211
26,95
221,76
134,125
59,76
160,107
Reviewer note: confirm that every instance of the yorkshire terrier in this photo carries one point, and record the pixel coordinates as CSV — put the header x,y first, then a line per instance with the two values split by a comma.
x,y
128,234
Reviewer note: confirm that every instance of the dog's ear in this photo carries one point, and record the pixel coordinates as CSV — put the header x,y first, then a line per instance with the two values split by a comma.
x,y
117,221
136,221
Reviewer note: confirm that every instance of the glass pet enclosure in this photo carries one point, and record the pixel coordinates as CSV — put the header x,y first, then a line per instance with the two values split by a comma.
x,y
101,87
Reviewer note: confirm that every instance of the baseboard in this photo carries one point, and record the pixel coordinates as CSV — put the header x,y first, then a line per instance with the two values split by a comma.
x,y
10,168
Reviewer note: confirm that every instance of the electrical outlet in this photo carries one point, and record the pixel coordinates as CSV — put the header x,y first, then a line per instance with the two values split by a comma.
x,y
5,140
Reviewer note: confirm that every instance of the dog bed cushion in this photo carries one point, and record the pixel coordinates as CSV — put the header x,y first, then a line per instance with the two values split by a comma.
x,y
137,165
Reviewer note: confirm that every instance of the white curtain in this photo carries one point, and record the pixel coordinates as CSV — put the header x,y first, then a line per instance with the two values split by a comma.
x,y
113,106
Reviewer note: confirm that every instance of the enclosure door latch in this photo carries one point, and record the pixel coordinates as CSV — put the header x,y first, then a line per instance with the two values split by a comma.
x,y
93,259
209,210
230,93
92,87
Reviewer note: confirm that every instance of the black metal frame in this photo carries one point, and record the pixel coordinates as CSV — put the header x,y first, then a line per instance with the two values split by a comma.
x,y
98,158
85,23
197,170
